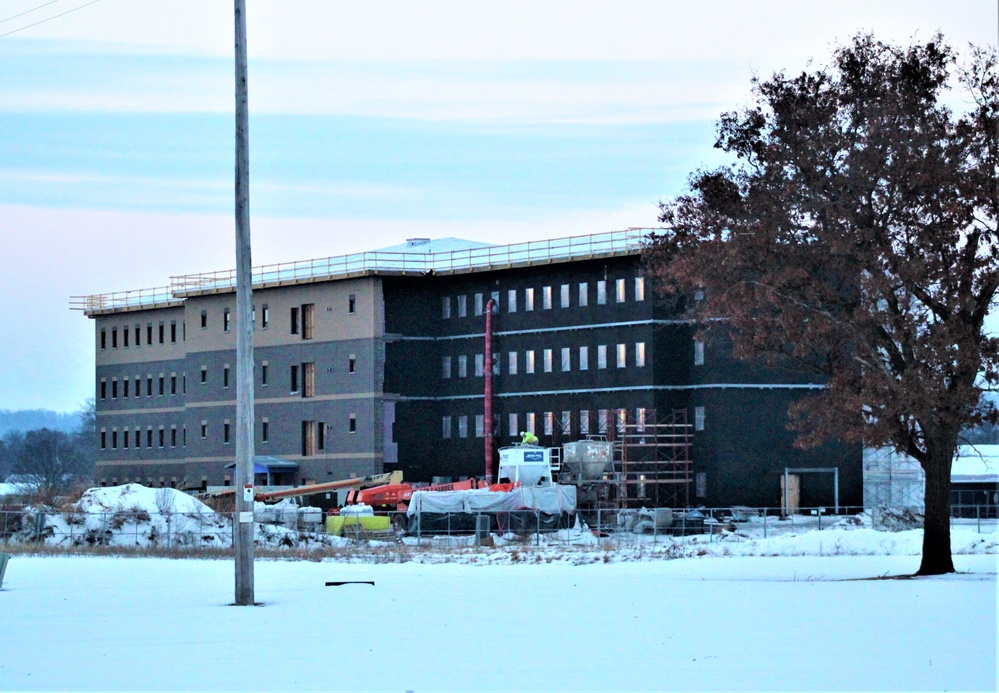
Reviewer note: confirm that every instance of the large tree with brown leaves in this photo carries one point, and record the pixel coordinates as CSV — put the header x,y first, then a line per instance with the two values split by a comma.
x,y
856,233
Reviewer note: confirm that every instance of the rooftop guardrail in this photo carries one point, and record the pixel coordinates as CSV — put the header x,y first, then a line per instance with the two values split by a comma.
x,y
469,260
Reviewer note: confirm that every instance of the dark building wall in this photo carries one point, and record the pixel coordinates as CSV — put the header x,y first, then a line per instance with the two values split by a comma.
x,y
745,446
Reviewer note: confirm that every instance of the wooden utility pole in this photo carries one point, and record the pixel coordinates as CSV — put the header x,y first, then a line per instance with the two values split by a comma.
x,y
243,527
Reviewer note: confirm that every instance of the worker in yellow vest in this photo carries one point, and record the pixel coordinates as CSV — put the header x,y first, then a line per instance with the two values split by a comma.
x,y
528,438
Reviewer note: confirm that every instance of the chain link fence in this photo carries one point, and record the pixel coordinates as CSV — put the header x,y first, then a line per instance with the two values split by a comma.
x,y
213,530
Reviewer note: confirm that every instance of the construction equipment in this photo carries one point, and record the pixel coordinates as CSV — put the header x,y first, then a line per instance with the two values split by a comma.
x,y
389,478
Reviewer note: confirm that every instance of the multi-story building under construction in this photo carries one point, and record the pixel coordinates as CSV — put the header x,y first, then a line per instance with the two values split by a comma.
x,y
376,361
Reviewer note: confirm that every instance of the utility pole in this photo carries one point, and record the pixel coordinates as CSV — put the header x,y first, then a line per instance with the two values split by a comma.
x,y
243,527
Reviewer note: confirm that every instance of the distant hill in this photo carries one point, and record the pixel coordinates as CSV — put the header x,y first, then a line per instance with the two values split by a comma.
x,y
32,419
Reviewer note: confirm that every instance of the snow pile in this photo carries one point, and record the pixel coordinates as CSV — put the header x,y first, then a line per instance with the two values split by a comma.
x,y
134,515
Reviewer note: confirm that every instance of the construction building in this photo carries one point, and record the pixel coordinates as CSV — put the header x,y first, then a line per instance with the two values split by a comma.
x,y
376,361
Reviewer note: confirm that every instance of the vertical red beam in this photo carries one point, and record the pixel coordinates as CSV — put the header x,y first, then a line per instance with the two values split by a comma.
x,y
487,424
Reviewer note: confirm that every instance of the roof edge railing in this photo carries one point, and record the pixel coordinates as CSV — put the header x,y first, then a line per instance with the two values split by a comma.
x,y
470,259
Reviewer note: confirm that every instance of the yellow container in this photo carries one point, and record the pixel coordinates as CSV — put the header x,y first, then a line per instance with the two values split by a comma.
x,y
336,524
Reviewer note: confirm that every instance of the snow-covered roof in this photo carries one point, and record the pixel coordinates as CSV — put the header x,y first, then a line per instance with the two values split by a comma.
x,y
415,256
976,463
432,245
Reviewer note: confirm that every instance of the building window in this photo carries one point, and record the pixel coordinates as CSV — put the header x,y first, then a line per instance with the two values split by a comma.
x,y
204,429
601,292
622,355
352,363
639,354
529,361
114,438
478,304
621,415
462,366
162,437
528,299
564,296
462,306
352,423
138,437
701,484
294,379
114,337
446,367
149,333
225,432
149,386
511,301
124,387
204,374
149,437
601,356
446,307
584,422
263,373
514,426
549,422
530,423
480,367
162,332
308,320
104,388
584,358
162,381
446,427
546,298
639,288
265,316
294,319
584,294
124,337
480,426
547,355
512,363
308,379
173,383
352,304
619,291
698,352
204,319
173,436
138,335
698,418
104,339
114,388
265,430
225,375
173,332
320,435
463,426
183,383
495,296
566,424
640,419
602,421
566,359
308,438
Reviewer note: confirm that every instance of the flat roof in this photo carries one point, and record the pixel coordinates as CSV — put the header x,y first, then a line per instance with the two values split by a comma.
x,y
416,256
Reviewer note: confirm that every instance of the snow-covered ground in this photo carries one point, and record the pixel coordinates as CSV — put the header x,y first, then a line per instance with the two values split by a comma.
x,y
796,609
708,623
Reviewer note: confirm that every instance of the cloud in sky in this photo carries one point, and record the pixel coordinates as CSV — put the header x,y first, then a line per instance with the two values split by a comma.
x,y
371,122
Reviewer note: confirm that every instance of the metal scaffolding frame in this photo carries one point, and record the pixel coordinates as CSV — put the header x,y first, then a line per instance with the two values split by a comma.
x,y
652,459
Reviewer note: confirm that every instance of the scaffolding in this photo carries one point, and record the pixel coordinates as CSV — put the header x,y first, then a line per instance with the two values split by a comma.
x,y
652,459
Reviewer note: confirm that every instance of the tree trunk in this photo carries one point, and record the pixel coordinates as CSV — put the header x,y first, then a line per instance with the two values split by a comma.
x,y
936,528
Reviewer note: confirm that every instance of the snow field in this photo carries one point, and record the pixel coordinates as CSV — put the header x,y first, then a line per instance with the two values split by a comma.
x,y
707,623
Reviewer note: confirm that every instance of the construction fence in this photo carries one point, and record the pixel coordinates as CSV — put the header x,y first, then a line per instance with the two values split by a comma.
x,y
287,527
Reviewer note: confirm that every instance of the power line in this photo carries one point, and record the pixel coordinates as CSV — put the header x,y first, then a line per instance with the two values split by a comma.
x,y
50,2
56,16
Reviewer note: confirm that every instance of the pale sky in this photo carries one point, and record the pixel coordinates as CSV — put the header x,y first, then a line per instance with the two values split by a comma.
x,y
371,122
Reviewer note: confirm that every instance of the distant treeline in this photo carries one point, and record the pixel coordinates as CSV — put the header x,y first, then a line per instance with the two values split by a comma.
x,y
33,419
